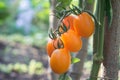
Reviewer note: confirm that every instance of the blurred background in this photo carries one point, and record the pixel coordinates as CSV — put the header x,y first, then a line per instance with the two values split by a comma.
x,y
24,28
23,35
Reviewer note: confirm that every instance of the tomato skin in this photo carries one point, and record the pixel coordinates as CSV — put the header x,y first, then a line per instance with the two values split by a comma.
x,y
71,41
50,47
84,25
60,60
68,21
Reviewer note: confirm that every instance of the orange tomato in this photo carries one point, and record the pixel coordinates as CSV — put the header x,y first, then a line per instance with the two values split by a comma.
x,y
84,25
68,21
60,60
53,44
71,41
50,47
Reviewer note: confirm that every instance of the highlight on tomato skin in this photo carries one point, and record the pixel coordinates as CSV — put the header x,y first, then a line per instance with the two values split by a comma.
x,y
84,25
60,60
71,41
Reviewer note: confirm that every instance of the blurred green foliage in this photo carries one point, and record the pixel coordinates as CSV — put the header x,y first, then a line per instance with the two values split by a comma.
x,y
32,68
41,15
38,39
11,32
9,12
62,4
3,11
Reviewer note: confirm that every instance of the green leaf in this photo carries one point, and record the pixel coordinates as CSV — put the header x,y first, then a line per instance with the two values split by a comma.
x,y
109,12
62,4
64,77
75,60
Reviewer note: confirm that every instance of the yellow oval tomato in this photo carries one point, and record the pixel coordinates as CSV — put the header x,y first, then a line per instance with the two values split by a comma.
x,y
84,25
60,60
50,47
71,41
68,21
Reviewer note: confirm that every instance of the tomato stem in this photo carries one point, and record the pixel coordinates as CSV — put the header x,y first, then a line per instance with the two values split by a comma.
x,y
52,35
98,39
79,10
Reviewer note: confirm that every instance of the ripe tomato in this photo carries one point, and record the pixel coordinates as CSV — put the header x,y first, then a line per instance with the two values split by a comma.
x,y
68,21
84,25
71,41
53,44
60,60
50,47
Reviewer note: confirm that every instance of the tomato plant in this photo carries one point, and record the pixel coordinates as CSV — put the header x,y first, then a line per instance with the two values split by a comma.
x,y
70,28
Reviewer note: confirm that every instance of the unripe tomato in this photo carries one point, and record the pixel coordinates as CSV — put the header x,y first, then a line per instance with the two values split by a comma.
x,y
60,60
84,25
71,41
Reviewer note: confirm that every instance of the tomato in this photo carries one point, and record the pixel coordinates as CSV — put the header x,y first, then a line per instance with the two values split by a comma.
x,y
60,60
71,41
68,21
50,47
84,25
53,44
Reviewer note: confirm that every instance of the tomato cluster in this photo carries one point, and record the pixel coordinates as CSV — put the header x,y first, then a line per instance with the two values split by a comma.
x,y
68,39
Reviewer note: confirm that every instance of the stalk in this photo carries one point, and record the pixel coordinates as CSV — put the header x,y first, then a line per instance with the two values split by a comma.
x,y
96,35
98,39
80,4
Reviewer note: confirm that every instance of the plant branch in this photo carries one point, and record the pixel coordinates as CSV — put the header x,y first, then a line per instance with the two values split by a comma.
x,y
98,39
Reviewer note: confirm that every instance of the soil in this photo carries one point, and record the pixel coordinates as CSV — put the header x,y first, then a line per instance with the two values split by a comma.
x,y
16,52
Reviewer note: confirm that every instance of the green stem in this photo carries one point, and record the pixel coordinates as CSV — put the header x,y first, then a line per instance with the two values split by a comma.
x,y
80,3
101,28
98,40
95,70
96,35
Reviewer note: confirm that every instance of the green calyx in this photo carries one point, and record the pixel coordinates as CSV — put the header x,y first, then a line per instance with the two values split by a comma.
x,y
52,34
